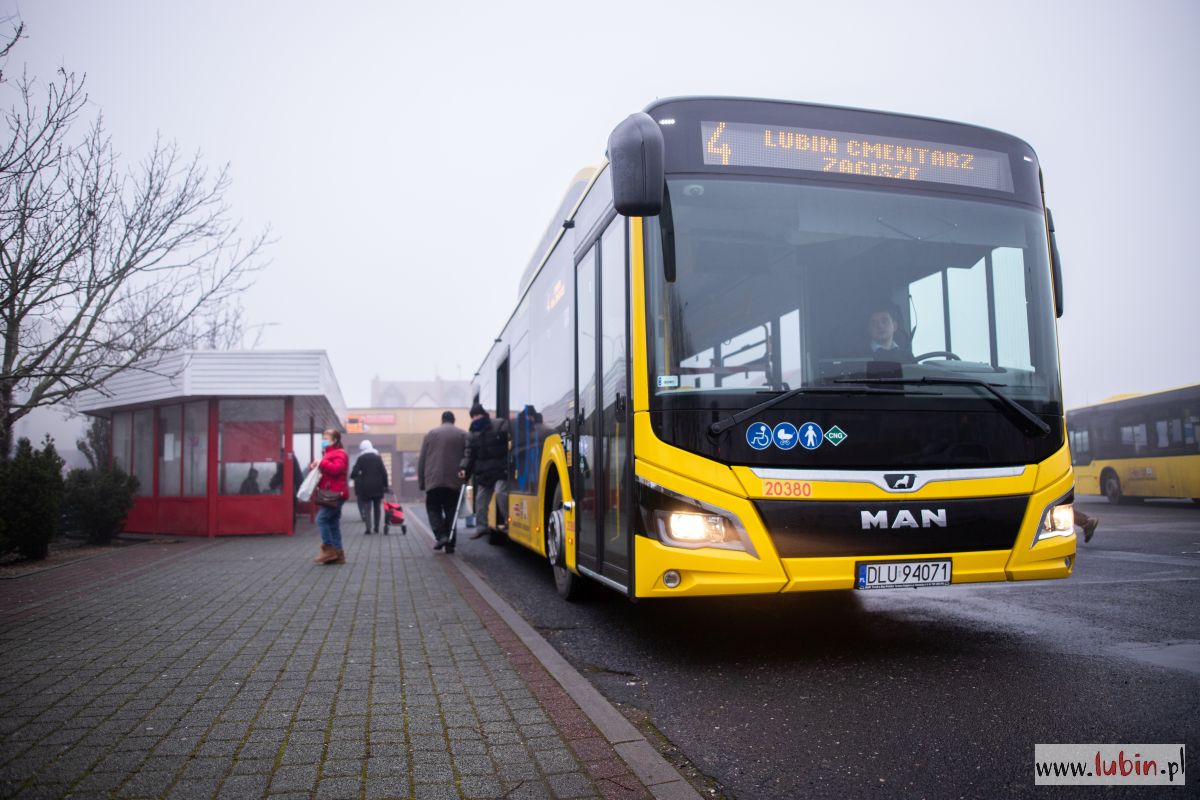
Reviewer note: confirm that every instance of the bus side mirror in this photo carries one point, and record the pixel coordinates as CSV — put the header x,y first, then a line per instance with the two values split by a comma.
x,y
1055,266
636,153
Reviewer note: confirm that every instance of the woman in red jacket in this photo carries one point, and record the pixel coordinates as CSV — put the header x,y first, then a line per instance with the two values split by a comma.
x,y
334,464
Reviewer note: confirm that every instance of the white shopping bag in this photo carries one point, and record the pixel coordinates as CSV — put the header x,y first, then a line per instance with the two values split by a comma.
x,y
308,485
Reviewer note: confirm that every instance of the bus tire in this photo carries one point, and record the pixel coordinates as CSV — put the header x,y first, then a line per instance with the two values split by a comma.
x,y
569,585
1112,490
1111,485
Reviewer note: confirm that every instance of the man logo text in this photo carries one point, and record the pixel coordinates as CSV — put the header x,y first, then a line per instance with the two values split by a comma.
x,y
904,519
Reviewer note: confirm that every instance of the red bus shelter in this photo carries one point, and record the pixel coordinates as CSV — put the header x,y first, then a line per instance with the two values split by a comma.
x,y
211,437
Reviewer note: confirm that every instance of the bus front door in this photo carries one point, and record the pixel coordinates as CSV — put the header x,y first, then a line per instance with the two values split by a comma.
x,y
601,467
587,421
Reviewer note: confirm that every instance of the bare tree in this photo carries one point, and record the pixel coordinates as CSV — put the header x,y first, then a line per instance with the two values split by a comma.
x,y
6,48
102,269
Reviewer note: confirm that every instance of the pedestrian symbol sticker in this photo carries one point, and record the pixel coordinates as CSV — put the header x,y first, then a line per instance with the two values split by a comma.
x,y
758,436
836,435
811,435
784,436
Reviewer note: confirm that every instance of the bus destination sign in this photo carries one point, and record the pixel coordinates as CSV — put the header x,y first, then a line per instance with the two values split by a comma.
x,y
743,144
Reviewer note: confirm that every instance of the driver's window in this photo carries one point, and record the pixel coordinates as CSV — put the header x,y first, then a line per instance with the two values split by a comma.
x,y
1008,280
969,317
927,308
966,332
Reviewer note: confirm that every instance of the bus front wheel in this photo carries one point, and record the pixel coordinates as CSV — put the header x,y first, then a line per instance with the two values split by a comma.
x,y
1112,490
569,585
1112,487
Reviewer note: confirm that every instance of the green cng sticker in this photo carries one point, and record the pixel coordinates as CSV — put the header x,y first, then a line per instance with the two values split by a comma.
x,y
835,435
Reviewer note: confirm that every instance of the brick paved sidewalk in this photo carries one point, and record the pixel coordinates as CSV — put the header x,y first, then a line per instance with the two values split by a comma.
x,y
236,668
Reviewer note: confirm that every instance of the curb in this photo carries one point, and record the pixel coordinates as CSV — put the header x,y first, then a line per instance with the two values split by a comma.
x,y
661,779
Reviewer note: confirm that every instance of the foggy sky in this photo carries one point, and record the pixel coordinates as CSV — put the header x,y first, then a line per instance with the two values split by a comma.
x,y
409,156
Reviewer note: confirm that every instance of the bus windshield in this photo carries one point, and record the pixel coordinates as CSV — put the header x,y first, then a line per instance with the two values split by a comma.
x,y
779,286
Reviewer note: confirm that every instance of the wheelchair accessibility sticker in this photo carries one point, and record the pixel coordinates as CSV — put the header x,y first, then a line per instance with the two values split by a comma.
x,y
758,436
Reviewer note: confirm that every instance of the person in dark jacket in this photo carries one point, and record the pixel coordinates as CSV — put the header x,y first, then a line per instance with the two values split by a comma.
x,y
485,459
370,484
438,477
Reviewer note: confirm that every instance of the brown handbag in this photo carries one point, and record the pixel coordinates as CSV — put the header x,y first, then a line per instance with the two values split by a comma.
x,y
327,497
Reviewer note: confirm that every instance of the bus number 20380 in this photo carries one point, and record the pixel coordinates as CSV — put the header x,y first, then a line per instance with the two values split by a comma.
x,y
787,489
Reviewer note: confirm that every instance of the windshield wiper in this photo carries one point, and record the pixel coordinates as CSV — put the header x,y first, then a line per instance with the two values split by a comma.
x,y
1019,414
720,426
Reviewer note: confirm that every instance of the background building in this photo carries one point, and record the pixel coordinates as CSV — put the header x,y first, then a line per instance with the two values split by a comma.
x,y
437,393
402,412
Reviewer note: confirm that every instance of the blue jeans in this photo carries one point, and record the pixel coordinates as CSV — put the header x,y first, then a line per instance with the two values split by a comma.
x,y
329,520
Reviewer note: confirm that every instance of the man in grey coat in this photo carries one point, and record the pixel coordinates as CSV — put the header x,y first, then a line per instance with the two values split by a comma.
x,y
437,476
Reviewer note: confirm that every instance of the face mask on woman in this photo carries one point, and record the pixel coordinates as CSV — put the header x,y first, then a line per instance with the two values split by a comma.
x,y
325,445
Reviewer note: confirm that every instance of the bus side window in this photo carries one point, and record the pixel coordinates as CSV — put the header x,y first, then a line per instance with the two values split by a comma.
x,y
1161,436
928,310
791,364
970,316
502,390
1133,439
1191,423
1009,293
1080,447
1176,432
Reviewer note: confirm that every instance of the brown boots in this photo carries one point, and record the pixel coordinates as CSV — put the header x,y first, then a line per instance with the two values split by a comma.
x,y
330,555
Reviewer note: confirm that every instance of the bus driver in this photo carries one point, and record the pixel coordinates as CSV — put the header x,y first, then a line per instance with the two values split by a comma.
x,y
881,327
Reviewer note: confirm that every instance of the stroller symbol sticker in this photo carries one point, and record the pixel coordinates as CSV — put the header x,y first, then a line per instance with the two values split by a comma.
x,y
811,436
758,436
784,435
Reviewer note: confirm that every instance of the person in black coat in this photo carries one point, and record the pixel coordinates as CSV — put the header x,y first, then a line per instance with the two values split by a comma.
x,y
370,485
486,461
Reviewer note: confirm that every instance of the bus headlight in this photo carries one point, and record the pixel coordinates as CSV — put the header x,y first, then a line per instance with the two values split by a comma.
x,y
1058,519
696,528
679,521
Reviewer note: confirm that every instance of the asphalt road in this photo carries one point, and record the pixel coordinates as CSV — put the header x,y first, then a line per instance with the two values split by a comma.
x,y
913,693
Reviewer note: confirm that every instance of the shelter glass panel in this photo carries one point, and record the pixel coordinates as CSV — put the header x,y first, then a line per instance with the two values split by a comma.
x,y
170,450
122,441
250,445
195,449
143,451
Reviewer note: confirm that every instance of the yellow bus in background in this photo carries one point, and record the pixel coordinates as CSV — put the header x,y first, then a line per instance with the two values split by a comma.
x,y
1132,447
690,377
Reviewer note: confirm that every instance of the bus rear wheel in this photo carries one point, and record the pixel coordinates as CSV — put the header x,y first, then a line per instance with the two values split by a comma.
x,y
569,585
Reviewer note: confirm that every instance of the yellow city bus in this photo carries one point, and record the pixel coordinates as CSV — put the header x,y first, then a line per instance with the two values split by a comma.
x,y
1131,447
773,347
